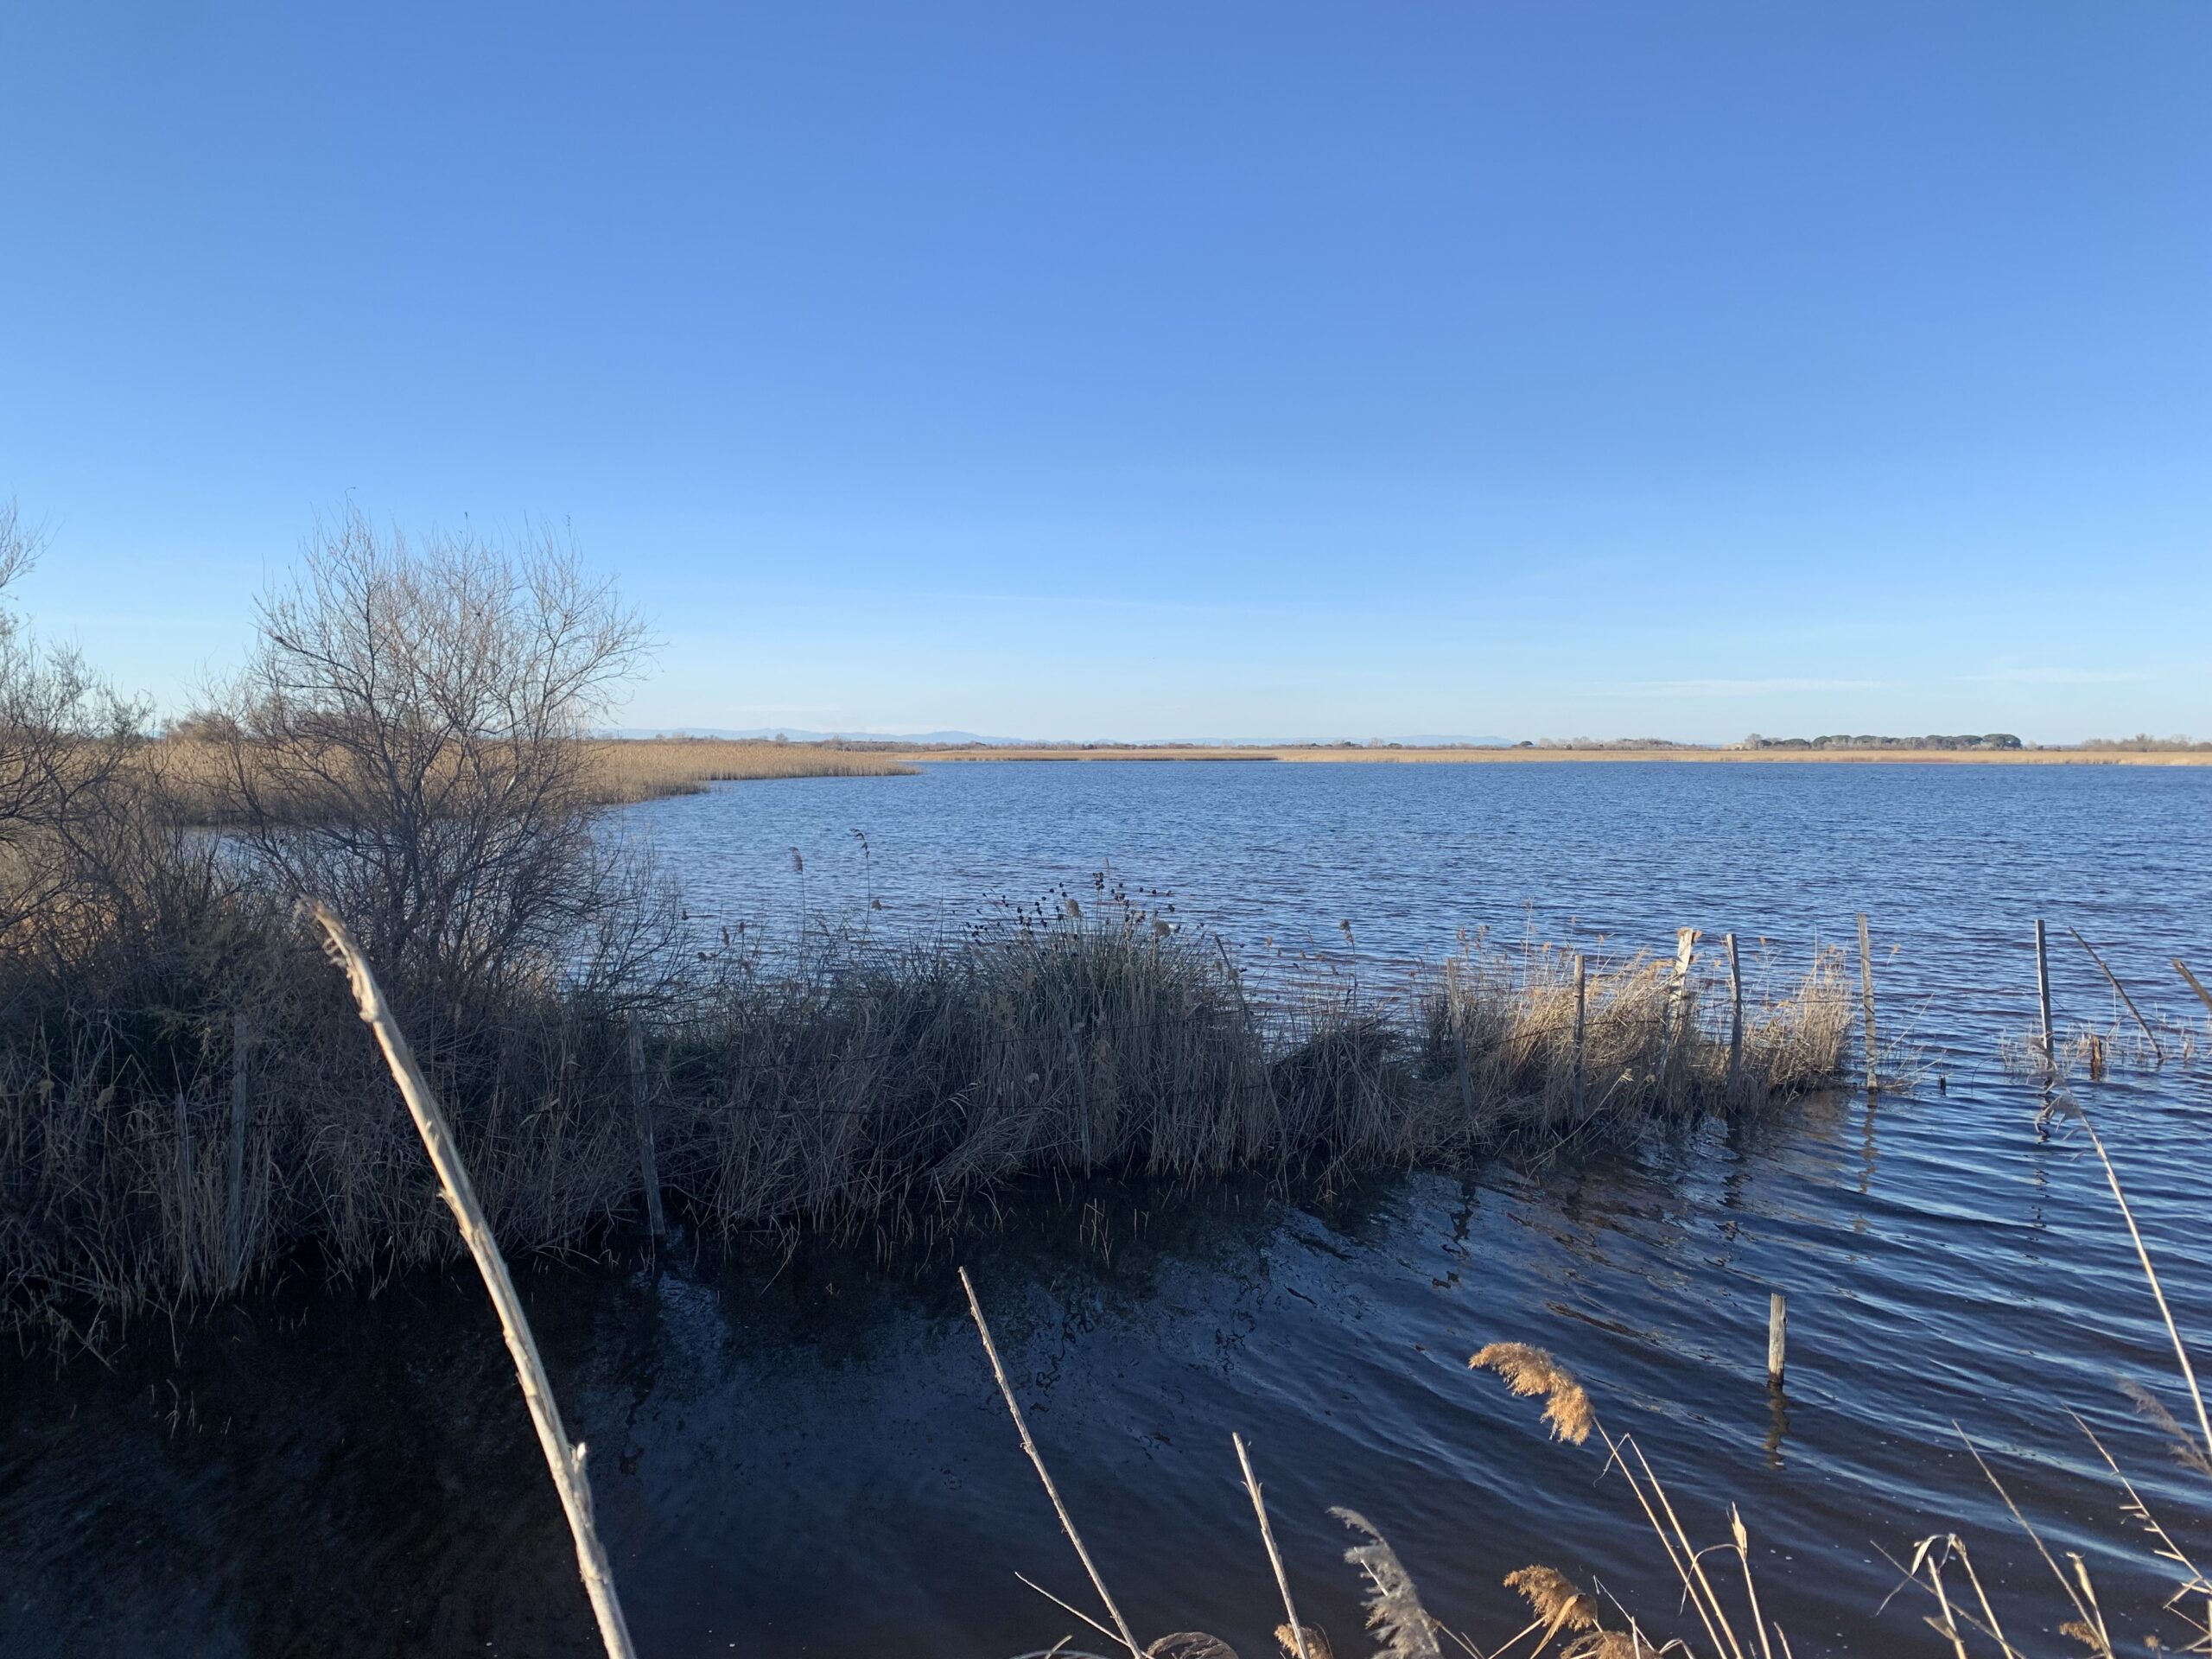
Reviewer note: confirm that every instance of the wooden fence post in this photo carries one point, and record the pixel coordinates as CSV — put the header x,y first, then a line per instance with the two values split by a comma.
x,y
1735,1012
1581,998
1866,994
234,1218
2043,996
1678,1003
641,1098
1777,1325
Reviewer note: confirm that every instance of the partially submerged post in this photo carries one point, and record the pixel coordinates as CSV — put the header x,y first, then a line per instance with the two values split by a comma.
x,y
1777,1322
641,1099
1678,1003
2120,991
2043,996
1735,1012
1866,994
1581,999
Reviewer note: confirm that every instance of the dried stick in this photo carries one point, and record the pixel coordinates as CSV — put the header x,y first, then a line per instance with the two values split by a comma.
x,y
2122,990
566,1461
1751,1590
2203,996
1274,1555
1028,1445
2143,1255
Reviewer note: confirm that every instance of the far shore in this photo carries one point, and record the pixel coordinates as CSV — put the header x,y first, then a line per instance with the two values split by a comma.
x,y
1321,755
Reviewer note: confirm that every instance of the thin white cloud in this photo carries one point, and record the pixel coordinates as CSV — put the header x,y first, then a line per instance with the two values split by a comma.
x,y
2063,676
1733,688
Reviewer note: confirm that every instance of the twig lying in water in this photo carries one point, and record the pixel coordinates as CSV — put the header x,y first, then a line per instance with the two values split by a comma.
x,y
1028,1445
1274,1556
565,1460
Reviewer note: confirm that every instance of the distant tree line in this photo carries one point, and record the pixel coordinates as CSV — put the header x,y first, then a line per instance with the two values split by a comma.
x,y
2143,742
1836,740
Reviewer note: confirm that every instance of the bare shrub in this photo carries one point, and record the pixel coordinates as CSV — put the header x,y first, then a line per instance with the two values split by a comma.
x,y
64,736
406,743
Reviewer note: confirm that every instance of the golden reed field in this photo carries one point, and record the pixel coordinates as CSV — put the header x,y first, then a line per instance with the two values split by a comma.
x,y
617,770
1329,754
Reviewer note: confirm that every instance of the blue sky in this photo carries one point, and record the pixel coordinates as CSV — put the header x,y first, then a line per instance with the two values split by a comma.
x,y
1266,370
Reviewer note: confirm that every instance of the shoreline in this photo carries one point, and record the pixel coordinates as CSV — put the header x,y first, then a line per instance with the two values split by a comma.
x,y
1299,755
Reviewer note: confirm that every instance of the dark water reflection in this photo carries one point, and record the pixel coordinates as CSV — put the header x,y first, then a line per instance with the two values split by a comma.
x,y
810,1456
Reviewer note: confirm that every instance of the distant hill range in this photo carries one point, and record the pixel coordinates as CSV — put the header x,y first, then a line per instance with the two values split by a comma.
x,y
976,740
796,735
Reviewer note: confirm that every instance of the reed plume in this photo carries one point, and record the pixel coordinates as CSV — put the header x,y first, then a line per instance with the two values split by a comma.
x,y
1317,1641
1394,1608
2148,1406
1610,1644
1552,1597
1529,1371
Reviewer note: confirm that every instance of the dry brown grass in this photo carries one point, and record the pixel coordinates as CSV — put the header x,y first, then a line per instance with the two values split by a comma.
x,y
1529,1371
1553,1597
870,1090
641,769
193,774
1330,754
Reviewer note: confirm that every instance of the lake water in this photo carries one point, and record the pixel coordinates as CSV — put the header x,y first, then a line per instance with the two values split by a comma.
x,y
809,1457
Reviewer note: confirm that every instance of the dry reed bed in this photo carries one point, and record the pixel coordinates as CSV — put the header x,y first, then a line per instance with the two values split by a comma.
x,y
865,1091
194,775
641,769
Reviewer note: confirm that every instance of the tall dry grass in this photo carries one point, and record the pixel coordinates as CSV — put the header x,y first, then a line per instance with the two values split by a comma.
x,y
639,769
196,780
864,1091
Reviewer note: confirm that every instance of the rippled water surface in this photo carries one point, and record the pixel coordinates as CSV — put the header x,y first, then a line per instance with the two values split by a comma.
x,y
809,1457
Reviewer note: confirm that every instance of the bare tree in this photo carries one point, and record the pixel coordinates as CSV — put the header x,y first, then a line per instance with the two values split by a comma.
x,y
64,738
404,744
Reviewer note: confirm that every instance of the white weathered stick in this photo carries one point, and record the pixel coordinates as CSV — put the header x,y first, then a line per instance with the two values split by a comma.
x,y
1678,1002
1268,1537
566,1461
2150,1273
1036,1458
